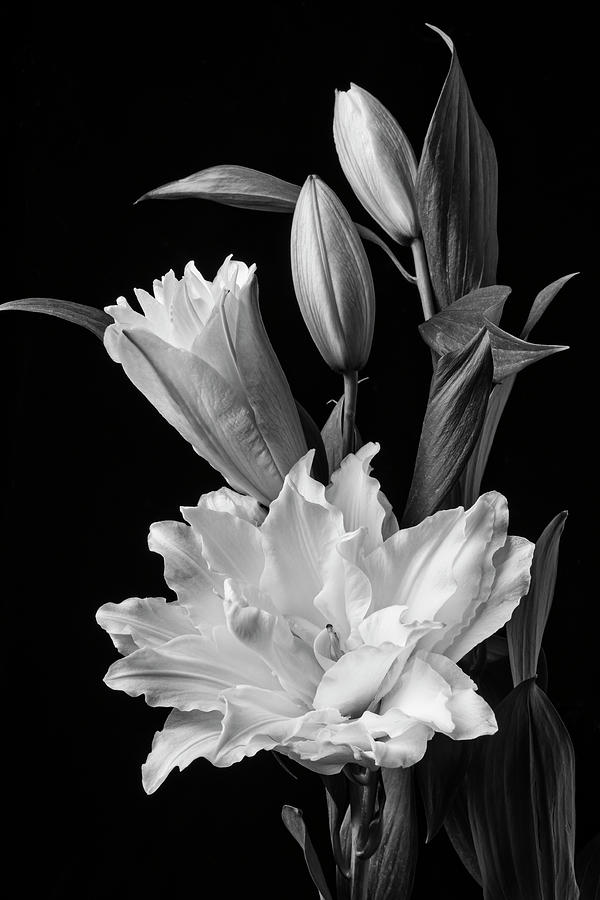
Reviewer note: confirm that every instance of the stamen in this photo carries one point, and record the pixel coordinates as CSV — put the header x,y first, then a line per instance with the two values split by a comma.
x,y
335,651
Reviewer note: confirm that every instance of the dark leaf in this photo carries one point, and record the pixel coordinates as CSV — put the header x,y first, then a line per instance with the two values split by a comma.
x,y
587,870
512,355
458,830
457,192
314,440
455,412
439,775
455,325
294,822
233,186
521,791
475,468
525,630
95,320
542,302
338,805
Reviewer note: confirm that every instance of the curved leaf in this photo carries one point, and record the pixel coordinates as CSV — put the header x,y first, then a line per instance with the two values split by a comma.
x,y
294,822
512,354
454,326
542,302
525,630
95,320
521,801
455,412
232,186
392,866
439,775
457,192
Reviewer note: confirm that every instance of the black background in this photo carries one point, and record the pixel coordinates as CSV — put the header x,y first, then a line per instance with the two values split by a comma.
x,y
102,110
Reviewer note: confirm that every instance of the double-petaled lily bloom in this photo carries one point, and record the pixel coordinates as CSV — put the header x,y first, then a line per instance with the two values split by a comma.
x,y
378,161
201,355
319,629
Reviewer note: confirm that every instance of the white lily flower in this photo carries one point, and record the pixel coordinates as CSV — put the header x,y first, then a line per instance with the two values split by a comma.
x,y
305,631
378,161
201,355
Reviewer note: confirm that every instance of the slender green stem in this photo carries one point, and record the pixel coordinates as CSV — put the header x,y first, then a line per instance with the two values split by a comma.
x,y
423,278
350,397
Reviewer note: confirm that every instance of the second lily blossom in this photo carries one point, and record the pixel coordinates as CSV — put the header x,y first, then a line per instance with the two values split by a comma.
x,y
201,355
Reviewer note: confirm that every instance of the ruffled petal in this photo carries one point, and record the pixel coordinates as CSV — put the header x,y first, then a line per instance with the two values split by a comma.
x,y
512,576
357,495
186,736
414,567
255,719
189,672
388,625
187,573
299,535
486,524
471,715
239,505
231,546
290,659
148,622
353,683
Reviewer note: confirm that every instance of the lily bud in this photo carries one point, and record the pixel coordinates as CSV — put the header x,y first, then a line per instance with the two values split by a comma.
x,y
378,161
200,354
332,278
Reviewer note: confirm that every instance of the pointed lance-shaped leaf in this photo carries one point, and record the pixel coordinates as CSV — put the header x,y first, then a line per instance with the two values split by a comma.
x,y
294,822
232,186
455,325
455,411
512,355
542,302
525,630
95,320
457,192
439,775
332,278
314,440
524,836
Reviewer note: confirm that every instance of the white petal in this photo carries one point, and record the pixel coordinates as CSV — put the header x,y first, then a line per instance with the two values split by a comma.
x,y
414,567
346,593
485,532
148,622
227,501
186,572
511,582
189,672
291,660
404,750
353,683
254,720
357,495
470,713
299,540
230,545
422,693
185,737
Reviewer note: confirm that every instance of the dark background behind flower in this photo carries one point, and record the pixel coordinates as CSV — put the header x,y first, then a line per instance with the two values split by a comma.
x,y
98,115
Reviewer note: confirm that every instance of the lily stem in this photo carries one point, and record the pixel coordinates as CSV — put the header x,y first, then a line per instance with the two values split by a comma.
x,y
423,278
362,807
350,398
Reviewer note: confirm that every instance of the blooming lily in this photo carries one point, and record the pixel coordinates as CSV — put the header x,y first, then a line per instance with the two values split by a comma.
x,y
317,629
201,355
378,161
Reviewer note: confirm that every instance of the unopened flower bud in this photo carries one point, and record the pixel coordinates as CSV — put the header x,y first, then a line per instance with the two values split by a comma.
x,y
332,278
378,161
